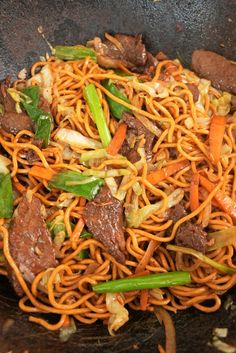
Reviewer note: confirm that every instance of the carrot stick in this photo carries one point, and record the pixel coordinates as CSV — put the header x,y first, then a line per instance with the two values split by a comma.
x,y
143,299
41,172
153,244
77,231
170,69
19,187
225,202
216,134
161,174
117,140
194,192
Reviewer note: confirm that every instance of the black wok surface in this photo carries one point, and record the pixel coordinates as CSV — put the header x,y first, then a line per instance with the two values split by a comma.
x,y
206,24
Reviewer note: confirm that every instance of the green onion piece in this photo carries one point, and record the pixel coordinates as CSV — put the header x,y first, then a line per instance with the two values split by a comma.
x,y
95,107
122,73
220,267
88,191
88,155
74,52
117,109
158,280
42,119
85,235
222,238
83,254
32,93
6,196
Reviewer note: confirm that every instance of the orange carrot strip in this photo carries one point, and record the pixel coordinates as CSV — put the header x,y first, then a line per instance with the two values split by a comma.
x,y
171,69
1,244
41,172
117,140
143,273
161,174
77,231
216,134
19,187
225,202
153,244
143,299
194,192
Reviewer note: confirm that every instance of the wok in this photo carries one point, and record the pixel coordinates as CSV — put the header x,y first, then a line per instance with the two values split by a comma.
x,y
175,27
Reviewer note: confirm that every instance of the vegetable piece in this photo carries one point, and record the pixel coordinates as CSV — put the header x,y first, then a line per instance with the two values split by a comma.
x,y
164,317
143,299
157,280
83,254
67,330
6,196
106,173
64,52
117,140
136,217
222,238
42,119
88,190
76,139
98,153
194,192
4,163
117,109
122,73
95,107
120,314
162,174
225,202
41,172
216,134
77,231
85,235
220,267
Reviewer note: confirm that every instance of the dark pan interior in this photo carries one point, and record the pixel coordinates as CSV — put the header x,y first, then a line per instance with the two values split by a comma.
x,y
206,24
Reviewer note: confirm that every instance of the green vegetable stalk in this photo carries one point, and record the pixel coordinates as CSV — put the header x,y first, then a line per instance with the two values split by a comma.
x,y
218,266
158,280
6,196
74,53
95,107
42,120
66,181
117,109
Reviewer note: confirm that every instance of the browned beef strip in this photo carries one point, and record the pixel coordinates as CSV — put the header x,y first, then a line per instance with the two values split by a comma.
x,y
233,104
177,212
6,100
104,219
192,236
30,242
10,120
135,129
132,53
13,122
220,71
188,234
194,90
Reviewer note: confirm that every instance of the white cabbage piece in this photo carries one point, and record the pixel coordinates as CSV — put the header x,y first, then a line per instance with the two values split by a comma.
x,y
120,314
76,139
